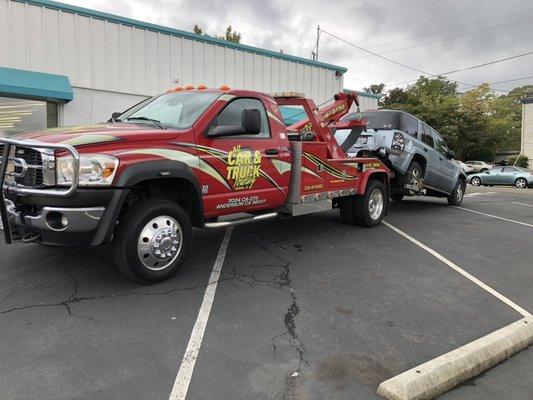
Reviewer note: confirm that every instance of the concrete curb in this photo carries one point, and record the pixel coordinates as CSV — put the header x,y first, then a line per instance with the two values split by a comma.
x,y
449,370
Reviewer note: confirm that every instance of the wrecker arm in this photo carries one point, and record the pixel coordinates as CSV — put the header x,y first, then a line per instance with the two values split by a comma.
x,y
321,124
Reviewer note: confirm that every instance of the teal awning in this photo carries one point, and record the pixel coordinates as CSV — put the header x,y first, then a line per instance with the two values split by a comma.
x,y
34,85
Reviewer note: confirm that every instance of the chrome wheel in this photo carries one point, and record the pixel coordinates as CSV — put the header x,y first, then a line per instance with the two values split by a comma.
x,y
416,180
159,243
475,181
375,204
521,183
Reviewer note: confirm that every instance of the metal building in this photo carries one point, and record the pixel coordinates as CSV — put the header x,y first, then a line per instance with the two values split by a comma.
x,y
527,129
66,65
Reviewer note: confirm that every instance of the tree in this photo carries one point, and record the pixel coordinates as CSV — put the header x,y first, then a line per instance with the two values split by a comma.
x,y
230,36
375,88
197,30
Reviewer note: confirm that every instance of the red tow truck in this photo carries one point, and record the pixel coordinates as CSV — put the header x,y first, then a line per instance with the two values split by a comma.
x,y
186,158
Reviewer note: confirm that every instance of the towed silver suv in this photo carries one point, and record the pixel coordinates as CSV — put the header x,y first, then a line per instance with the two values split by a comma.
x,y
416,153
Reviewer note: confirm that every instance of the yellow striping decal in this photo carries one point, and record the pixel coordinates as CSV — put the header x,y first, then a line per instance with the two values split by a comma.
x,y
308,171
328,168
88,139
186,158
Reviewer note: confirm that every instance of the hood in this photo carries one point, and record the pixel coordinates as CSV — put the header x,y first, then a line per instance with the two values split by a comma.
x,y
84,135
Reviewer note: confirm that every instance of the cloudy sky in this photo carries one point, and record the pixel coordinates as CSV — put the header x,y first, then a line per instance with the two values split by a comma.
x,y
431,35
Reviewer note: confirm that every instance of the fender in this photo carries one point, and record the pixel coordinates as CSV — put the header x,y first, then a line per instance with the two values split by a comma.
x,y
140,172
365,177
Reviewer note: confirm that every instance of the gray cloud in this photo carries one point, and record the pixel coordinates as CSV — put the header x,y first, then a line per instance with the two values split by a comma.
x,y
291,26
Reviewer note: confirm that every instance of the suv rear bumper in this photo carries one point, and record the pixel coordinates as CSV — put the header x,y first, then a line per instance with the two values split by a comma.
x,y
87,220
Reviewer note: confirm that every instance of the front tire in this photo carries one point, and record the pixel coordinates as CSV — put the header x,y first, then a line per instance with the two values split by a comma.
x,y
521,183
456,197
475,181
152,241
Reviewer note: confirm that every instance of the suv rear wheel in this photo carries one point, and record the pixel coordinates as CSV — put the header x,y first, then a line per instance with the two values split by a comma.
x,y
152,241
414,177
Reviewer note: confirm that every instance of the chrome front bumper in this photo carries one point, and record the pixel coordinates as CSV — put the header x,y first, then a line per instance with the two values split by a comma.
x,y
79,219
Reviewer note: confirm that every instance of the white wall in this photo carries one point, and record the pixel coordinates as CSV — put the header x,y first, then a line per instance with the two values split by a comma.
x,y
93,106
527,132
106,55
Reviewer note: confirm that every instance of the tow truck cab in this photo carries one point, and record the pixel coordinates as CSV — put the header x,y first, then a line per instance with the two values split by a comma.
x,y
181,159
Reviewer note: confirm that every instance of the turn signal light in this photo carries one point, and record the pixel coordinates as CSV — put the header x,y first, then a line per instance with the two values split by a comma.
x,y
201,87
224,87
189,87
178,89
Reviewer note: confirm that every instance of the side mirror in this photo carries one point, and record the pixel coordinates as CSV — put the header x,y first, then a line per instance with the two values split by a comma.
x,y
251,121
115,115
451,154
250,125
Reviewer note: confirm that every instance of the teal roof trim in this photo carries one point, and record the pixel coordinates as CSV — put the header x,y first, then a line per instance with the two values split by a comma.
x,y
35,85
364,94
177,32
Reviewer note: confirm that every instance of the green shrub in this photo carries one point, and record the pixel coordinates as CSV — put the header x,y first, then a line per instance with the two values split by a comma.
x,y
522,161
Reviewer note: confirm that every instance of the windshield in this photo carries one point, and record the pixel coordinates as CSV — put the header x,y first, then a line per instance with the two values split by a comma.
x,y
174,110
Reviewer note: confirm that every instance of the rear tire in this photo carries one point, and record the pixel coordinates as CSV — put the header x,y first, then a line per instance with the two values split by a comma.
x,y
521,183
456,197
371,208
152,241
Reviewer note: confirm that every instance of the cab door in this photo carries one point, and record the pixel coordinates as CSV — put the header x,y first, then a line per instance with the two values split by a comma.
x,y
247,163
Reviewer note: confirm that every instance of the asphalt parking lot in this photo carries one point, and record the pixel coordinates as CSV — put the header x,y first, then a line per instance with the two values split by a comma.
x,y
306,308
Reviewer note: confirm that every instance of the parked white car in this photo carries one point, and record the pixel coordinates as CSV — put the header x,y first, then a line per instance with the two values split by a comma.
x,y
467,168
479,166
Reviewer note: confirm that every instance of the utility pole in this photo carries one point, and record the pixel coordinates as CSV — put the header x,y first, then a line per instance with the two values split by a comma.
x,y
314,53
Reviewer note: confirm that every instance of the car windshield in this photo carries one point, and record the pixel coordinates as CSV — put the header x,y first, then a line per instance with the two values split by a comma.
x,y
179,110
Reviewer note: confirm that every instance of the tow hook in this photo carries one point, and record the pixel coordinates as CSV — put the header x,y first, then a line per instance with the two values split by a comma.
x,y
30,237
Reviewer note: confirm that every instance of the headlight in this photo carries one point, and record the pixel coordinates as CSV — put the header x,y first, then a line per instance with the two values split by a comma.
x,y
397,141
95,170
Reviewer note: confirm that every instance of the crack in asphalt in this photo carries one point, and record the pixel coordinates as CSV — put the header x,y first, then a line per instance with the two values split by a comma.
x,y
73,298
283,282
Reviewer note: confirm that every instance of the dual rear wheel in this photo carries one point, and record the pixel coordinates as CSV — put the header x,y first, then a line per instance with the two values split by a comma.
x,y
367,210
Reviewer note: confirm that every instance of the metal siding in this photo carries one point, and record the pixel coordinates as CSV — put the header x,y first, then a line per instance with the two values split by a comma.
x,y
163,75
187,62
126,59
53,42
527,132
83,48
36,39
248,70
5,52
109,54
152,81
139,61
19,48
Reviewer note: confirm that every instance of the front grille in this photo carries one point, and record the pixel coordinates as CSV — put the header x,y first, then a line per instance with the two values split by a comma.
x,y
34,174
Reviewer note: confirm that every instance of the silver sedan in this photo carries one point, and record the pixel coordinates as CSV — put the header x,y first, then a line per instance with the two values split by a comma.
x,y
513,176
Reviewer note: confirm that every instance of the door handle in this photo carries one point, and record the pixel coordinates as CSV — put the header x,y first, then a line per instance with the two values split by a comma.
x,y
425,149
272,152
440,158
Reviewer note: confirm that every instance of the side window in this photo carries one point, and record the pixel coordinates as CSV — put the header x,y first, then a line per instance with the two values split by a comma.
x,y
231,115
427,137
440,144
409,125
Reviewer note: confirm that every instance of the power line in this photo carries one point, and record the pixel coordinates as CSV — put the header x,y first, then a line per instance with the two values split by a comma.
x,y
393,61
518,22
450,29
512,80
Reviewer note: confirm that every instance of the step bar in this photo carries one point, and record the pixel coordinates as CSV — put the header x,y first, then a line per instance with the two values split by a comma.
x,y
240,221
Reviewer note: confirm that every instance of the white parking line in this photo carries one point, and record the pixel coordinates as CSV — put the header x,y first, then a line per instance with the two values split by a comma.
x,y
522,204
450,264
183,379
495,216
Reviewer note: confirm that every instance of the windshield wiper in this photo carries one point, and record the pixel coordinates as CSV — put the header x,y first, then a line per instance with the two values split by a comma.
x,y
143,118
